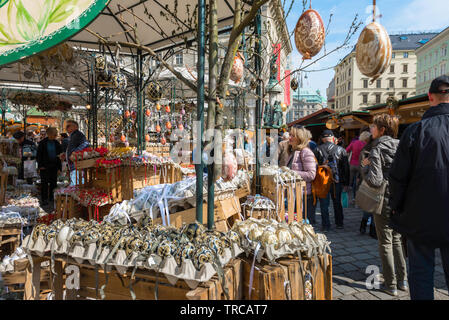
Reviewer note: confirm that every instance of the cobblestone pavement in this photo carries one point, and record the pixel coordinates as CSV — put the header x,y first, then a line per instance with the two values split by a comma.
x,y
352,253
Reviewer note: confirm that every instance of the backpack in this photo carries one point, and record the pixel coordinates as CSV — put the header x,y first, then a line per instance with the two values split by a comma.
x,y
322,183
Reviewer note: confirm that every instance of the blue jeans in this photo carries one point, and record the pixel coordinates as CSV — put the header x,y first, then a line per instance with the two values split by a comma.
x,y
335,194
422,266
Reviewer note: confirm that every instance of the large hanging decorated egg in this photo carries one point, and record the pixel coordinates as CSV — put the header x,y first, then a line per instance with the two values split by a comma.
x,y
237,68
373,51
309,34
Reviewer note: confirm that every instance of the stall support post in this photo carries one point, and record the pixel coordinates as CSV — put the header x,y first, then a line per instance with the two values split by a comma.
x,y
200,108
4,106
140,116
95,115
258,29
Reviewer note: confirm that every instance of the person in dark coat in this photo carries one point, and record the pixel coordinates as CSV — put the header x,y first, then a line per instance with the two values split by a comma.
x,y
77,142
419,184
64,141
375,171
28,152
49,164
336,157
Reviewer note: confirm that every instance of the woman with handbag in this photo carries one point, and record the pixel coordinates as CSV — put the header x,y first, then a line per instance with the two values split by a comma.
x,y
373,196
302,160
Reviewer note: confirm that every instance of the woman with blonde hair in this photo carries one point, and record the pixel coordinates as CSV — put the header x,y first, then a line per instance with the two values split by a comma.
x,y
303,161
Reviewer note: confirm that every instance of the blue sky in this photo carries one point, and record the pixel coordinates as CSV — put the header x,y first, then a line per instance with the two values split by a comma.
x,y
398,16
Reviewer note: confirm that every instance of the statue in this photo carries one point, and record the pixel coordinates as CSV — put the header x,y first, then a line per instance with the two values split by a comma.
x,y
267,117
277,117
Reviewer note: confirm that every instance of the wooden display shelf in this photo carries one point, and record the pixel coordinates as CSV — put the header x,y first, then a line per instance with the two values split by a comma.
x,y
290,191
9,239
145,283
284,281
85,164
3,185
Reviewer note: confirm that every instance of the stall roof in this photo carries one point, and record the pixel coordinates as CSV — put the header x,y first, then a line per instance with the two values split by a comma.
x,y
311,117
418,98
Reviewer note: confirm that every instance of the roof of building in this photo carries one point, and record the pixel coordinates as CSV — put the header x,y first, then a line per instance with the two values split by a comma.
x,y
440,35
421,97
310,95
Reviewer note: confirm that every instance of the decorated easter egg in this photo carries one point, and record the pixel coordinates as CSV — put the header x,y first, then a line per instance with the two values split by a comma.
x,y
309,34
180,126
127,114
158,128
154,91
163,141
123,138
269,237
168,125
158,107
134,115
373,51
167,108
148,113
229,166
237,68
202,256
147,137
294,84
283,235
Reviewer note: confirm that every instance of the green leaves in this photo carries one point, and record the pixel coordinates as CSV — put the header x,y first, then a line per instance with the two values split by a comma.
x,y
3,2
45,15
63,10
26,25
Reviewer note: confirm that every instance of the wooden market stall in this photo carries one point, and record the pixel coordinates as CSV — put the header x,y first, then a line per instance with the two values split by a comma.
x,y
314,122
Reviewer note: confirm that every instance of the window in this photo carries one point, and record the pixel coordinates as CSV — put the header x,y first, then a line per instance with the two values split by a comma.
x,y
337,80
404,83
405,54
405,68
393,55
337,91
377,97
179,59
365,83
365,98
349,100
349,72
391,83
404,96
435,72
336,104
378,83
442,69
349,85
392,68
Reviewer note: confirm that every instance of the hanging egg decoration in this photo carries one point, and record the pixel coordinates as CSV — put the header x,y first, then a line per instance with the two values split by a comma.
x,y
119,81
100,62
123,138
134,115
183,112
158,107
167,108
229,169
294,84
237,68
147,137
158,128
181,126
309,34
373,51
163,141
168,125
111,137
148,113
154,91
127,114
284,107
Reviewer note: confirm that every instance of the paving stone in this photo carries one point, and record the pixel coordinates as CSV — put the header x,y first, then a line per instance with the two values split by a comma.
x,y
365,296
346,258
336,293
381,295
440,296
346,290
356,275
348,267
347,297
363,256
356,250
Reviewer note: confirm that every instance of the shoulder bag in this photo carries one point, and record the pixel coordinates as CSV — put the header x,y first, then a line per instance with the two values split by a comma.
x,y
370,199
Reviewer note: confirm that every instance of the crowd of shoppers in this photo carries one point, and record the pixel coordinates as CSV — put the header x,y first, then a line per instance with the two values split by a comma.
x,y
413,171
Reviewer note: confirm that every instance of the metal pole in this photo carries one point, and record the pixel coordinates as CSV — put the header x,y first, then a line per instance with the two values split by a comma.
x,y
95,116
259,99
200,107
4,106
140,119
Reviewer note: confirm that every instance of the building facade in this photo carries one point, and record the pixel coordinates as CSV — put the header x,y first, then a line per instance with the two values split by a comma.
x,y
330,93
305,102
433,61
354,91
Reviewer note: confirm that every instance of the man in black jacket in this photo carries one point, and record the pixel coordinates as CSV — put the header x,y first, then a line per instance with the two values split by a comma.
x,y
335,157
77,142
49,164
419,185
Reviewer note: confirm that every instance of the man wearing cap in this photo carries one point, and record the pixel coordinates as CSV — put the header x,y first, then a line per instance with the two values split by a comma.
x,y
419,185
336,157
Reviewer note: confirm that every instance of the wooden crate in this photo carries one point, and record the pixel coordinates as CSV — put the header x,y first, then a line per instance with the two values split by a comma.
x,y
144,284
85,164
291,191
284,280
67,208
145,175
3,185
226,212
9,240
